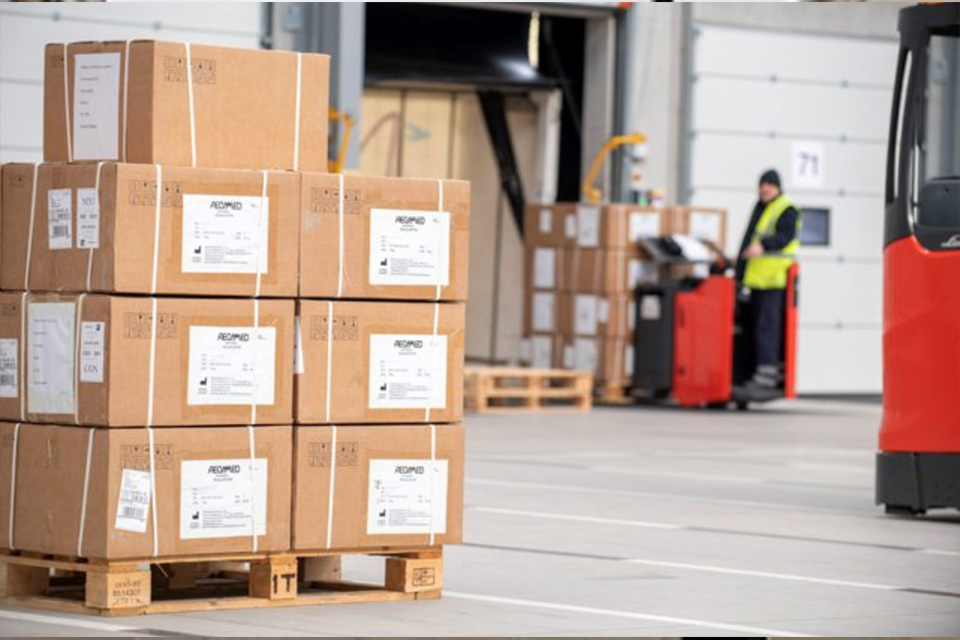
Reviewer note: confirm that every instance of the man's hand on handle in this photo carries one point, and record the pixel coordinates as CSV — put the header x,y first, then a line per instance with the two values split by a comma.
x,y
753,251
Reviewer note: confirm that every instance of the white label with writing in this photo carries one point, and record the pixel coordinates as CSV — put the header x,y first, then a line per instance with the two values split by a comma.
x,y
92,339
570,225
541,348
643,224
225,234
639,271
96,106
133,505
603,311
585,354
408,371
60,218
409,247
50,362
543,311
546,220
585,315
631,315
809,160
407,496
544,268
705,225
628,360
568,356
226,363
223,498
9,354
650,308
297,347
588,226
88,219
524,350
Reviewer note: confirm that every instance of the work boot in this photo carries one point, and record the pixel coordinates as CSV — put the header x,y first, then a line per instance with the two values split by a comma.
x,y
767,376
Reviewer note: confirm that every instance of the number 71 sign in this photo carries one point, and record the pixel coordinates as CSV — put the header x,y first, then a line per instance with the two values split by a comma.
x,y
808,164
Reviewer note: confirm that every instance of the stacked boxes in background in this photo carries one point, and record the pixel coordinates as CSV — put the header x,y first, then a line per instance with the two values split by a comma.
x,y
582,264
187,311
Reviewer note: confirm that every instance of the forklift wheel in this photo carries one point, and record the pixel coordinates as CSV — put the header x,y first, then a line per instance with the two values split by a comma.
x,y
717,406
896,510
742,405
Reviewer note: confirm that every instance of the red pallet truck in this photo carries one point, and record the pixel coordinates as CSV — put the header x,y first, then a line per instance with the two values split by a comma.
x,y
918,464
691,335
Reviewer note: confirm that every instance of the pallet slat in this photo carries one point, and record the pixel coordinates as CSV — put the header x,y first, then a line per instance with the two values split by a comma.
x,y
517,389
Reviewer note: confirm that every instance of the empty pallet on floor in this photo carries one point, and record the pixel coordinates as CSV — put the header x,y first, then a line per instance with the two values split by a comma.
x,y
519,389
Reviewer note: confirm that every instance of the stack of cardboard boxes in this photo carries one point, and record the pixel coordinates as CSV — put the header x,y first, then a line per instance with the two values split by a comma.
x,y
209,345
582,265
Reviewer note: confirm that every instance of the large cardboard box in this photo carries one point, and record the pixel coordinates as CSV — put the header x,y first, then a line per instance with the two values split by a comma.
x,y
585,314
611,226
379,362
705,223
244,109
610,360
370,486
542,350
208,498
550,225
603,270
93,228
385,238
87,359
544,268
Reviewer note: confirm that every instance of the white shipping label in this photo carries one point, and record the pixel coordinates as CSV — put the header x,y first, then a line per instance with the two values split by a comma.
x,y
542,352
9,353
226,363
225,234
643,224
96,106
570,225
603,311
588,226
60,218
546,221
133,504
631,315
88,219
568,356
650,308
628,360
50,362
297,347
705,226
407,496
524,350
223,498
585,354
543,311
585,315
544,268
408,371
409,247
92,340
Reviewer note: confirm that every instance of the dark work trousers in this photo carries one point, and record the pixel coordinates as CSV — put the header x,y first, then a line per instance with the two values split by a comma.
x,y
766,315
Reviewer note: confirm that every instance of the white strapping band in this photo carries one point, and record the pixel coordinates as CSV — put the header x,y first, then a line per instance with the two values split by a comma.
x,y
23,356
153,491
329,354
156,229
13,482
433,477
33,217
333,478
436,324
260,230
193,120
439,240
126,101
86,487
76,359
66,102
96,186
340,233
296,118
251,436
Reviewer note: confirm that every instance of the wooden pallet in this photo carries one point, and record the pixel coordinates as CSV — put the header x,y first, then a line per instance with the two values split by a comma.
x,y
211,583
519,389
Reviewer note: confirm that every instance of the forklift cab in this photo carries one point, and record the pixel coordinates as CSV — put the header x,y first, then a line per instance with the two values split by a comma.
x,y
691,336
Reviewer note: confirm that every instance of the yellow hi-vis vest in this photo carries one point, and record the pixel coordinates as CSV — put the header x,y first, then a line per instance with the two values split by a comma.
x,y
770,271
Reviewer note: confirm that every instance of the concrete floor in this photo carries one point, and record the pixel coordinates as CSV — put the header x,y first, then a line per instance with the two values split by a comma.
x,y
655,522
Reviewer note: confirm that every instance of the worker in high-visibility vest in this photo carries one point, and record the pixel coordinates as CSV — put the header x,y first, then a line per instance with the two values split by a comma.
x,y
768,249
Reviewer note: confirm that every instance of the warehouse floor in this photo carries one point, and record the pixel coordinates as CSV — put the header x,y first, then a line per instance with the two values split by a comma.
x,y
662,522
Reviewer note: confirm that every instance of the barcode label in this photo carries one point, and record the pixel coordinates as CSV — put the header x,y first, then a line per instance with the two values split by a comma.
x,y
8,368
133,505
60,218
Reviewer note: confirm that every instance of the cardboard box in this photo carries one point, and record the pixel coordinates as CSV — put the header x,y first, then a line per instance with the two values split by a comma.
x,y
87,360
377,486
609,360
244,109
387,362
585,314
611,226
701,222
550,225
398,238
543,311
542,351
210,465
603,270
102,239
544,268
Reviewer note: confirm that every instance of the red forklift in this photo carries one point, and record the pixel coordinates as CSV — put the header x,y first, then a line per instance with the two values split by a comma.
x,y
918,463
692,342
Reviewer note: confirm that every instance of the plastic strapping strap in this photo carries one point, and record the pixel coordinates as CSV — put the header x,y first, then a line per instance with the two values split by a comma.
x,y
253,485
193,120
66,102
23,356
156,230
340,233
264,206
296,117
439,240
329,354
33,217
153,491
153,300
86,487
126,101
333,478
433,478
13,482
96,186
436,324
76,359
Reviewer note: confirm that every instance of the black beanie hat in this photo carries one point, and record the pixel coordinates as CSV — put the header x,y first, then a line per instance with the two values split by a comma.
x,y
770,176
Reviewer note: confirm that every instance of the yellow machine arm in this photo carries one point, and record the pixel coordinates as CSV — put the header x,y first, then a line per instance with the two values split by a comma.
x,y
590,193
